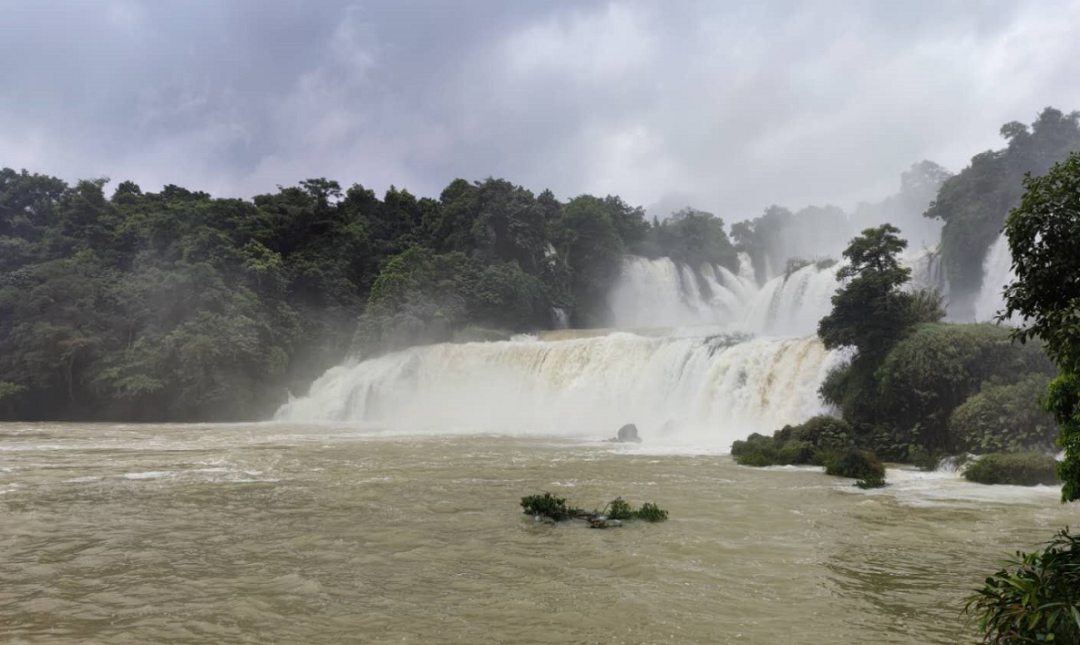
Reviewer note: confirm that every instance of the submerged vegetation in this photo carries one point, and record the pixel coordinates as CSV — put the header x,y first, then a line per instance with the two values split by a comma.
x,y
554,508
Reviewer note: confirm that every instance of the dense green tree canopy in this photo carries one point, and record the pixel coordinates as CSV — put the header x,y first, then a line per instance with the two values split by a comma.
x,y
871,311
975,203
176,305
1043,233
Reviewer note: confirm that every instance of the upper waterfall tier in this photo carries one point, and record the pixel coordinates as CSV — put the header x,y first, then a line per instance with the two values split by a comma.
x,y
997,273
662,293
704,390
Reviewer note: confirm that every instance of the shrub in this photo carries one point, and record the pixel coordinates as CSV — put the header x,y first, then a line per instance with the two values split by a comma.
x,y
1019,469
1035,598
928,375
619,509
651,513
798,445
1005,418
756,460
854,463
549,506
555,508
871,481
756,450
795,264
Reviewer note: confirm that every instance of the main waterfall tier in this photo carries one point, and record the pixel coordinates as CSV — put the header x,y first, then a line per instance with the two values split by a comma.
x,y
703,391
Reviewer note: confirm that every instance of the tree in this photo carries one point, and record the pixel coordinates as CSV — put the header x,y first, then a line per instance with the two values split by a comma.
x,y
1043,232
693,237
871,311
975,203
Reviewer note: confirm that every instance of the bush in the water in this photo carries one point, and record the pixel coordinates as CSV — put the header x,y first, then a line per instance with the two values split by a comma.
x,y
651,513
856,464
803,444
1035,598
555,508
871,481
1020,469
549,506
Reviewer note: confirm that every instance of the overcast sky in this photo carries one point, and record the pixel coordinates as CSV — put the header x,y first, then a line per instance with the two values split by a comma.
x,y
727,106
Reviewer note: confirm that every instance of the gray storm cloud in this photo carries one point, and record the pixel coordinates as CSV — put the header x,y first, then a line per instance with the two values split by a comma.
x,y
730,107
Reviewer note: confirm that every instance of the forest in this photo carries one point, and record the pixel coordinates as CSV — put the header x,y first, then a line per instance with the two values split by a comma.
x,y
120,304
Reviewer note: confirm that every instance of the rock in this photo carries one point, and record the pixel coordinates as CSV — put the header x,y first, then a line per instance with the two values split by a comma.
x,y
602,522
628,434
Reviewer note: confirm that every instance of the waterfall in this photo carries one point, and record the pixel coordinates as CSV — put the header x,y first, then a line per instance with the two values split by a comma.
x,y
559,318
997,273
704,390
662,293
928,271
793,304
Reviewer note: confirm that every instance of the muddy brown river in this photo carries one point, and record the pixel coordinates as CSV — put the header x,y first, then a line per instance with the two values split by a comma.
x,y
275,533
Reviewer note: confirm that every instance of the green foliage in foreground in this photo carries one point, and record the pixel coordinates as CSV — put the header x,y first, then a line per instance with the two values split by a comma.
x,y
556,508
1035,598
1042,235
1018,469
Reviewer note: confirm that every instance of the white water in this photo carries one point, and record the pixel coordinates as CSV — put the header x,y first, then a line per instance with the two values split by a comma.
x,y
702,392
661,293
928,271
997,273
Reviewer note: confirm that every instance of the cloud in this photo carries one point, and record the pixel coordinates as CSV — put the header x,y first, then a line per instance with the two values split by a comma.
x,y
730,107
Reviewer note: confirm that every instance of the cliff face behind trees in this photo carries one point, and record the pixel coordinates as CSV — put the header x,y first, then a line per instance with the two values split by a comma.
x,y
975,203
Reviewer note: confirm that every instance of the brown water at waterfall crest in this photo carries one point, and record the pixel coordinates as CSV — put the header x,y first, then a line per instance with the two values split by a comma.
x,y
321,534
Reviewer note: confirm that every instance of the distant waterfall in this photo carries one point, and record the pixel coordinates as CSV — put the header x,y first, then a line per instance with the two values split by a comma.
x,y
662,293
704,390
997,273
928,271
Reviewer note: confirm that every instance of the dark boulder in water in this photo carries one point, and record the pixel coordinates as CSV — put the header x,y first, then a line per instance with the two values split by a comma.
x,y
627,434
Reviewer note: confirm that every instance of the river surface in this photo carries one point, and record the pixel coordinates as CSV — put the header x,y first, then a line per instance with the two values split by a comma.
x,y
277,533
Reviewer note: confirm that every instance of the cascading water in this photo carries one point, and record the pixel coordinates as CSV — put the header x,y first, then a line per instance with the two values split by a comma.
x,y
704,391
997,273
928,271
678,377
661,293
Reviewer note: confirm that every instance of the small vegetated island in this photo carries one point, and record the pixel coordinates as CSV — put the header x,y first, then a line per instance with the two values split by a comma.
x,y
549,508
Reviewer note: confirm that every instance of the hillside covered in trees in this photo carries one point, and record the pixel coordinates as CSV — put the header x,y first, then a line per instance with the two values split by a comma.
x,y
176,305
121,304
